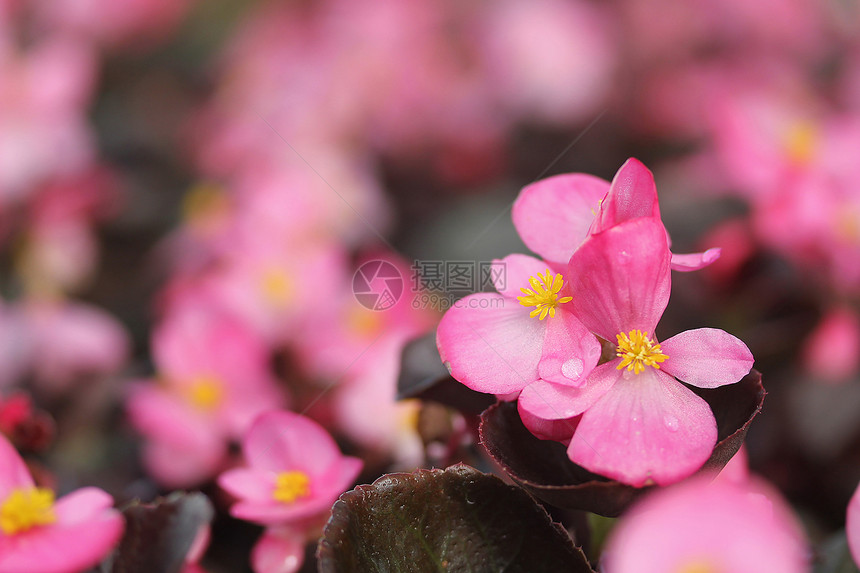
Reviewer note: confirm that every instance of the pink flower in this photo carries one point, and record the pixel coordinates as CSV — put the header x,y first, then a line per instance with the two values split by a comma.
x,y
555,215
639,424
296,471
70,341
504,343
281,549
40,535
214,381
831,354
697,526
852,526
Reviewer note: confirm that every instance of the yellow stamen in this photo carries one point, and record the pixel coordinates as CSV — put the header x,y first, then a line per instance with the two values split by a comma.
x,y
364,322
206,392
26,508
544,294
205,206
291,485
277,287
801,141
697,566
637,351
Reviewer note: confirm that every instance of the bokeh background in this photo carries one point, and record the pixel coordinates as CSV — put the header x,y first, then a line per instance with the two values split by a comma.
x,y
235,162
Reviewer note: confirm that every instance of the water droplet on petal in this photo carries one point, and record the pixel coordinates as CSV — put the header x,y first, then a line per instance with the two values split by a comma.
x,y
671,423
572,368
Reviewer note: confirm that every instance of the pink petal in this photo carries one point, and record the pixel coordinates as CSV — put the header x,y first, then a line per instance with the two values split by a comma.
x,y
13,471
570,351
620,278
721,526
852,526
281,440
175,467
647,428
553,215
518,270
62,548
82,505
556,430
491,344
706,357
632,195
275,513
552,401
694,261
248,484
279,550
164,416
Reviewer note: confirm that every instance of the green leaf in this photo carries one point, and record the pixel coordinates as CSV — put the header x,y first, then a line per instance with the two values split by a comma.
x,y
456,520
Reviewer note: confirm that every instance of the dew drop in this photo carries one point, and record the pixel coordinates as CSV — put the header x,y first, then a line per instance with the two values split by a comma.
x,y
671,423
572,368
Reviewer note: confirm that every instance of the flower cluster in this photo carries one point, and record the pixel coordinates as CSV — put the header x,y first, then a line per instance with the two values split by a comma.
x,y
581,346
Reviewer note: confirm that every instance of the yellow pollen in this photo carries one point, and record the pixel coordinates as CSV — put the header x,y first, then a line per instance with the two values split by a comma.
x,y
363,322
697,566
276,287
291,485
205,206
637,351
801,141
206,392
26,508
544,294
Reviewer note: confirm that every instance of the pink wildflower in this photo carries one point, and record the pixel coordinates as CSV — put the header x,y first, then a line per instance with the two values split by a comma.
x,y
296,471
40,535
852,526
832,352
639,424
700,526
505,343
555,215
214,382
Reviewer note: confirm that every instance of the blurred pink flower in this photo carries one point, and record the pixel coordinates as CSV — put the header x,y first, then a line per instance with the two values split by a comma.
x,y
852,526
213,380
831,353
549,59
40,535
553,216
281,549
639,424
504,343
44,92
138,23
71,341
701,526
295,473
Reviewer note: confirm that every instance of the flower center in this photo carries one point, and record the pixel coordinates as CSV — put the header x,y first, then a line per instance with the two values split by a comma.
x,y
544,294
26,508
291,485
276,287
206,393
637,351
697,566
801,141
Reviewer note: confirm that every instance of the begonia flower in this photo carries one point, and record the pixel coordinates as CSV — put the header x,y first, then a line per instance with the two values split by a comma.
x,y
553,216
639,424
214,380
831,353
281,549
39,534
699,526
296,471
852,526
502,343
